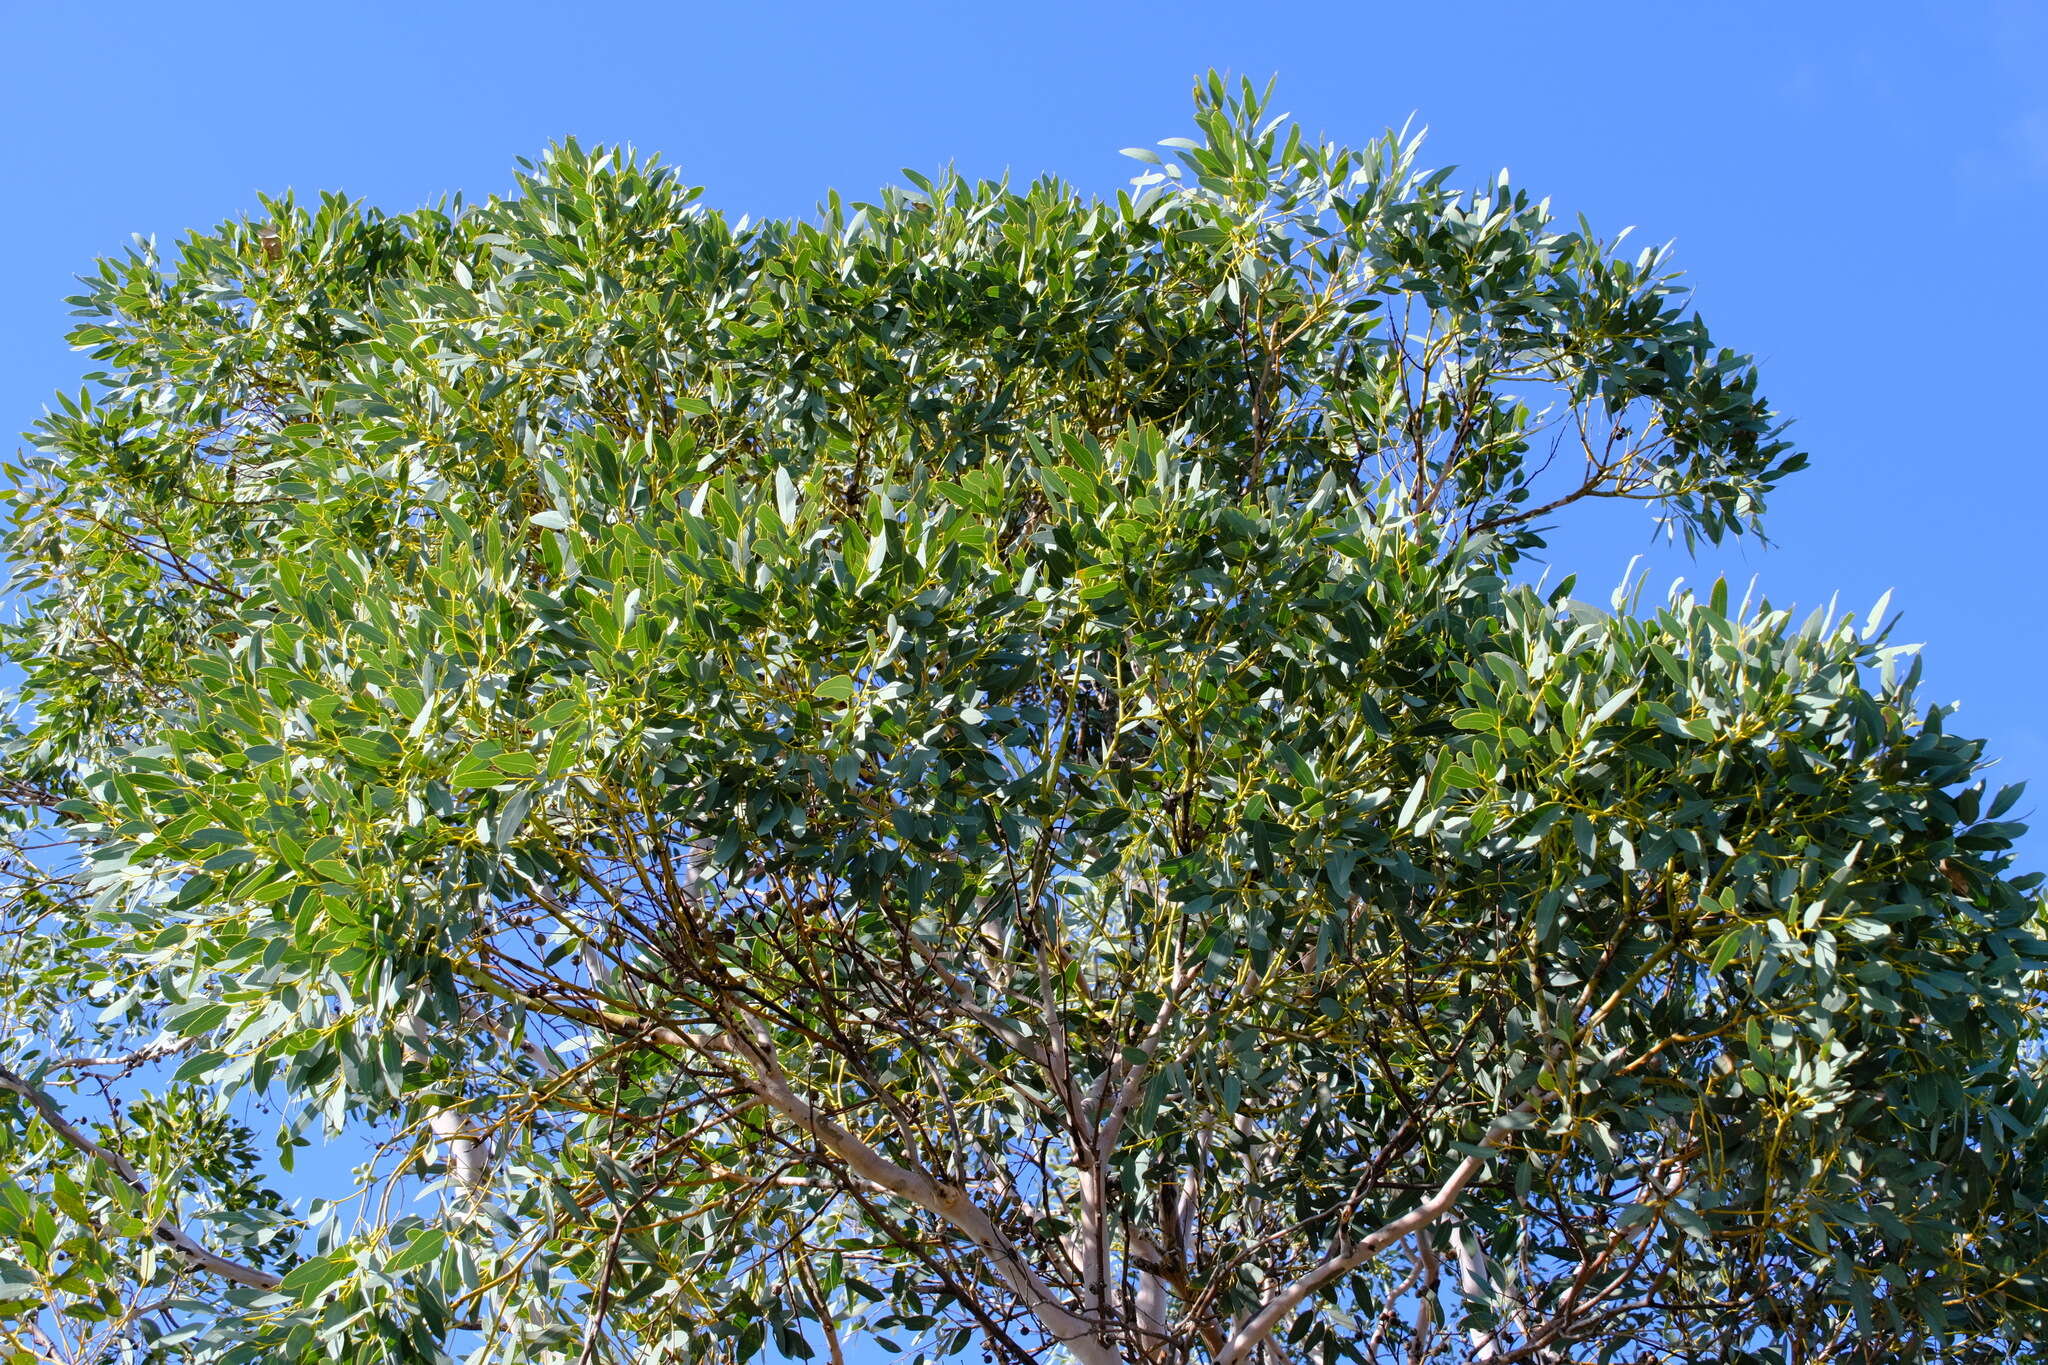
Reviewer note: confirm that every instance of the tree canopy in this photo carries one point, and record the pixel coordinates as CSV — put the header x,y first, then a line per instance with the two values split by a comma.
x,y
982,774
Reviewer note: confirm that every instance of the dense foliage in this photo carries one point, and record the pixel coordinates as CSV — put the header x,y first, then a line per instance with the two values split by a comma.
x,y
975,775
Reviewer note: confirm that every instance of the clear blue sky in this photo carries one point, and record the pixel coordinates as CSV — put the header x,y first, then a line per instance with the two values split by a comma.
x,y
1858,191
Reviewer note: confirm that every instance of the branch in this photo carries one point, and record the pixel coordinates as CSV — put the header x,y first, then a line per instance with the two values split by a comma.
x,y
129,1061
1132,1075
764,1078
1346,1257
167,1232
1012,1037
939,1198
1394,1298
1474,1282
1425,1301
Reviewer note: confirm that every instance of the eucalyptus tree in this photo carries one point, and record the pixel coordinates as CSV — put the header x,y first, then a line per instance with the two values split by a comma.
x,y
977,774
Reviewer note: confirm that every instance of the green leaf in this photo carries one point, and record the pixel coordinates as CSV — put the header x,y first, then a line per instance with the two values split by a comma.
x,y
309,1279
1338,866
1688,1222
474,776
426,1245
1724,950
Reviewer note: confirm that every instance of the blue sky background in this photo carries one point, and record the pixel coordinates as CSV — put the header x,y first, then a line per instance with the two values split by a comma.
x,y
1857,190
